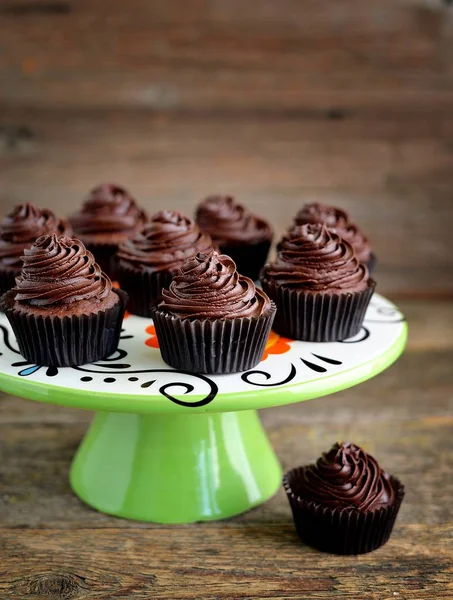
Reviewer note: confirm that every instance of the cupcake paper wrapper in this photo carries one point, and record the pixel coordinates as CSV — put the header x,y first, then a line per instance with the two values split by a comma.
x,y
371,263
144,288
104,255
68,341
342,531
249,258
318,317
204,346
7,281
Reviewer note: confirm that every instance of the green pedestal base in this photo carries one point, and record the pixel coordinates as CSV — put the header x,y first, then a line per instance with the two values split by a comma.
x,y
175,468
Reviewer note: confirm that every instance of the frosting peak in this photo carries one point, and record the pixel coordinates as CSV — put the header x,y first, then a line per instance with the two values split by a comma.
x,y
312,256
108,209
165,242
345,477
59,270
20,228
340,222
316,212
209,287
229,222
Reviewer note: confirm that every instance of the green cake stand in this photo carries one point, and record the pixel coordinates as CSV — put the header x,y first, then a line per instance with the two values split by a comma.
x,y
175,447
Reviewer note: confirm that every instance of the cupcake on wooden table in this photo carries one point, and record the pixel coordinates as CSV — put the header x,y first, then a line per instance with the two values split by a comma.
x,y
108,217
18,231
237,232
148,262
320,288
63,310
211,319
339,221
344,503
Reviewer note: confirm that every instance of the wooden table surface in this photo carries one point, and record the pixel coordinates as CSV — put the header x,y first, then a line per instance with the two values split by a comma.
x,y
53,546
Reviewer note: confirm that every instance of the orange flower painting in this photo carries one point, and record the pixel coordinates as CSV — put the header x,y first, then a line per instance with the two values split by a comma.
x,y
276,345
152,341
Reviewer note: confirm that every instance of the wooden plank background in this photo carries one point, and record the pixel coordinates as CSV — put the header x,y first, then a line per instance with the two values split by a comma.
x,y
276,102
348,102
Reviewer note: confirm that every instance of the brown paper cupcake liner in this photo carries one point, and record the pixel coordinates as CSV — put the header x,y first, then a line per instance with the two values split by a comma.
x,y
371,263
144,288
342,531
318,317
7,281
68,341
104,255
249,258
204,346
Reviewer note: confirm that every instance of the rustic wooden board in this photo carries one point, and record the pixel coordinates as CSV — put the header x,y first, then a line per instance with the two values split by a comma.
x,y
53,546
193,55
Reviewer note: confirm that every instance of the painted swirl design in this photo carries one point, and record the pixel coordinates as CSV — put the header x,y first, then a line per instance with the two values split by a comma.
x,y
166,242
338,220
21,227
108,209
209,287
228,222
59,270
345,477
317,259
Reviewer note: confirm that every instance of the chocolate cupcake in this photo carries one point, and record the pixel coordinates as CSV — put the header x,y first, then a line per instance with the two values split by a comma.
x,y
108,217
237,232
148,262
345,503
211,319
18,231
63,310
339,221
320,288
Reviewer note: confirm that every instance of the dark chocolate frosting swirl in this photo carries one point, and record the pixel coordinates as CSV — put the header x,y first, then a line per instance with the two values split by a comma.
x,y
209,287
338,220
165,242
21,227
345,477
315,258
109,209
59,270
229,223
315,212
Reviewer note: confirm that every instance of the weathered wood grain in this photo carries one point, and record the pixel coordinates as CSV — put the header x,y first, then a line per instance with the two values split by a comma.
x,y
192,55
210,562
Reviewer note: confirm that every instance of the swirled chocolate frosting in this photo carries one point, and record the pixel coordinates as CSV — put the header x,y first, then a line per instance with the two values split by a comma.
x,y
165,242
21,227
314,258
108,209
209,287
339,221
59,270
228,222
315,212
345,477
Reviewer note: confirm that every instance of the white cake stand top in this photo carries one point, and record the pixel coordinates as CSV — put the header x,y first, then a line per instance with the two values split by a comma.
x,y
136,380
